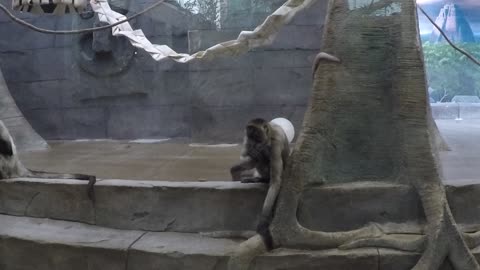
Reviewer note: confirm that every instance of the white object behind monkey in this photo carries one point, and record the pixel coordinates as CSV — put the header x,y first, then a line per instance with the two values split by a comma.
x,y
287,127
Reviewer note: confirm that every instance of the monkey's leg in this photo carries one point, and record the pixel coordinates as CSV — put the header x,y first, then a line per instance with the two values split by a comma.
x,y
243,165
262,174
256,180
90,188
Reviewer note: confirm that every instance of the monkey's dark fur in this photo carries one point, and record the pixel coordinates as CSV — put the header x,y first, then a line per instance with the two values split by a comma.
x,y
11,167
264,231
266,149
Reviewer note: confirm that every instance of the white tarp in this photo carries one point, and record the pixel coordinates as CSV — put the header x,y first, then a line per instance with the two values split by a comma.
x,y
263,35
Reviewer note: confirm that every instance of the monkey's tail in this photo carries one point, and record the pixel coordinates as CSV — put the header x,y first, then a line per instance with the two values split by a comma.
x,y
49,175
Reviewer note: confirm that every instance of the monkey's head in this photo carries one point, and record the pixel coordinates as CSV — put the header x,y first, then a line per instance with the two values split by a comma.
x,y
257,130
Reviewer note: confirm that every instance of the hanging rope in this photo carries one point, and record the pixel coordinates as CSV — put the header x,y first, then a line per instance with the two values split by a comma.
x,y
74,32
262,35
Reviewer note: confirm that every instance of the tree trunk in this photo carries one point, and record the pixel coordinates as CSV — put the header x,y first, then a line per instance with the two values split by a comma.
x,y
369,119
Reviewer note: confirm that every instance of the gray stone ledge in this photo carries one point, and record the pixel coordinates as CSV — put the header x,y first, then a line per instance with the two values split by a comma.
x,y
47,231
43,244
224,206
177,206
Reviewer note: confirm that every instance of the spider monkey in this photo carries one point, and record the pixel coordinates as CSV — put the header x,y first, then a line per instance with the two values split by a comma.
x,y
266,149
12,167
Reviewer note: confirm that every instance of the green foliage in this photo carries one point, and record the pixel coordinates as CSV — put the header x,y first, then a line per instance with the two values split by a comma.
x,y
206,8
451,73
210,9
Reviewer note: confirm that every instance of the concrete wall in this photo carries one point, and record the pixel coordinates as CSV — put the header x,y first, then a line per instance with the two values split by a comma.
x,y
456,110
206,101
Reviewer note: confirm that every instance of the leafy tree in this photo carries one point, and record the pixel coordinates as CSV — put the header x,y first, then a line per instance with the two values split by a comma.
x,y
451,73
208,9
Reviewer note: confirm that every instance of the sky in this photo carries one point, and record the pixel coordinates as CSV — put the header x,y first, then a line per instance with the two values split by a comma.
x,y
471,9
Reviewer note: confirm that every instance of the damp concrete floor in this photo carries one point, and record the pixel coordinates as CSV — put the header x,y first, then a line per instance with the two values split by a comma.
x,y
173,160
179,160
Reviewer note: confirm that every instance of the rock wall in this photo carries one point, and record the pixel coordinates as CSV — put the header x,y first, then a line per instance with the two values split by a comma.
x,y
51,79
24,136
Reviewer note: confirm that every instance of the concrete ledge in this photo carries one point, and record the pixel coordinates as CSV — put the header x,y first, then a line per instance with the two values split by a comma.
x,y
43,244
143,205
178,206
221,206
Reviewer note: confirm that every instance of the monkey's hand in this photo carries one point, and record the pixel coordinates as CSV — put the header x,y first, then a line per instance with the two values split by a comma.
x,y
243,165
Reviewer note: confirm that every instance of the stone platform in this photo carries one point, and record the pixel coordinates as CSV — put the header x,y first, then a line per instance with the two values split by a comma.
x,y
43,244
51,224
220,206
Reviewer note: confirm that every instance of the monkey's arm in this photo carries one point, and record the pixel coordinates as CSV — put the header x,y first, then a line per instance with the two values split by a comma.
x,y
245,164
276,169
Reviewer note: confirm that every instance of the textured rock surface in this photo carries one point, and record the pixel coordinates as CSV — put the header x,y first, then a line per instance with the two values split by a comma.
x,y
179,251
42,244
156,100
47,198
177,206
27,243
358,204
222,206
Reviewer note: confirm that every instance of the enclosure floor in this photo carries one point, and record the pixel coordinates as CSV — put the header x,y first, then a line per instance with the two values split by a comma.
x,y
171,160
462,164
177,160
